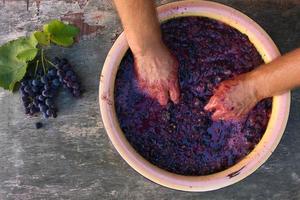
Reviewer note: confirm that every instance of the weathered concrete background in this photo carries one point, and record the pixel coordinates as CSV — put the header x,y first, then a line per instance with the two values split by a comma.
x,y
72,158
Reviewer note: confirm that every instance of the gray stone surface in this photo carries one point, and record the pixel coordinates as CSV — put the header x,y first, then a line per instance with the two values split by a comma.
x,y
72,157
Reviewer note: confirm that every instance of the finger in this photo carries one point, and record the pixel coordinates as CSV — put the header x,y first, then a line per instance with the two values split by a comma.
x,y
218,115
229,116
232,114
241,113
211,104
163,97
174,92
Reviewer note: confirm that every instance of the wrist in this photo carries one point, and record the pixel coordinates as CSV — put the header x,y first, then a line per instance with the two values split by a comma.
x,y
147,47
257,84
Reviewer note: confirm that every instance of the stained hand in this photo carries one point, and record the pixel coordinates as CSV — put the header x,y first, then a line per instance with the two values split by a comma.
x,y
233,99
157,74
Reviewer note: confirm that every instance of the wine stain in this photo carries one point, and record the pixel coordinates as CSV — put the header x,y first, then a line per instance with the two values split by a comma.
x,y
233,174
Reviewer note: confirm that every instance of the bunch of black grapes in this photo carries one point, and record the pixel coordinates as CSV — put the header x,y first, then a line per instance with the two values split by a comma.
x,y
38,93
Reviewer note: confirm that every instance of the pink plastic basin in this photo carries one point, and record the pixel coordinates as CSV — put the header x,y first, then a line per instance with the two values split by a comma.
x,y
240,170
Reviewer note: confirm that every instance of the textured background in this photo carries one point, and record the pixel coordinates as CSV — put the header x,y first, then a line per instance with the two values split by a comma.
x,y
72,157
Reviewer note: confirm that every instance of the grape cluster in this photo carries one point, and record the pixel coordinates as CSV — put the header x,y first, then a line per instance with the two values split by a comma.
x,y
68,77
38,93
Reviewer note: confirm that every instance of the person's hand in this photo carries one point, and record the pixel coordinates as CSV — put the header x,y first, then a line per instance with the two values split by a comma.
x,y
157,74
233,99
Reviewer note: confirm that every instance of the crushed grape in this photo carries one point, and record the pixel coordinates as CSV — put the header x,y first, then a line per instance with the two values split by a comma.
x,y
182,138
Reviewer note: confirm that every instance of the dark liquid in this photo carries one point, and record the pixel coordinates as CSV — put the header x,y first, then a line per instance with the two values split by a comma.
x,y
182,138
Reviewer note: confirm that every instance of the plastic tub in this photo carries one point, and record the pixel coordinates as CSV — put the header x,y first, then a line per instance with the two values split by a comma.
x,y
240,170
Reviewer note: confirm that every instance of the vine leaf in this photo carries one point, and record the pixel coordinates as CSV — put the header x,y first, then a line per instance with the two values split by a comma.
x,y
42,37
60,33
14,56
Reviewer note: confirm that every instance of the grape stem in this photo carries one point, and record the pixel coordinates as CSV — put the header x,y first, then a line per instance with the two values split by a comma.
x,y
42,58
48,61
36,66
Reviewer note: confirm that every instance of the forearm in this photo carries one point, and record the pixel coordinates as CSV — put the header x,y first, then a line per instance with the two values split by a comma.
x,y
278,76
140,24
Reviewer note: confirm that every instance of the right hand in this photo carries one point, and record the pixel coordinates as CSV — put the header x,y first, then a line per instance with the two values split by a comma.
x,y
157,74
233,99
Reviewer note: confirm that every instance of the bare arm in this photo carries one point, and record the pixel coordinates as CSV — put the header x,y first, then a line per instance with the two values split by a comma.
x,y
235,98
278,76
140,24
155,66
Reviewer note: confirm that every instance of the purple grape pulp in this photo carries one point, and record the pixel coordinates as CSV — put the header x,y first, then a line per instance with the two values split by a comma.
x,y
182,138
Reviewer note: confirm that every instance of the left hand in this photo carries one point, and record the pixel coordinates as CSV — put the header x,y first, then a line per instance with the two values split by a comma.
x,y
157,74
233,99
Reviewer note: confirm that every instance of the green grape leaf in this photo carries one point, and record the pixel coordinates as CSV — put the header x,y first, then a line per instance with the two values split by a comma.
x,y
60,33
14,56
42,37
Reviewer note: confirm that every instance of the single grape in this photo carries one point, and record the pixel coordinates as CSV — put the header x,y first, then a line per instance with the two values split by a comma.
x,y
54,115
56,82
75,86
24,83
56,61
52,72
38,125
45,115
27,89
66,79
35,89
35,102
40,72
47,87
64,61
33,110
41,97
60,73
27,110
76,93
60,66
69,73
49,112
73,78
47,93
25,98
43,108
23,93
26,104
51,93
22,88
69,84
49,102
44,79
66,67
35,82
31,93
